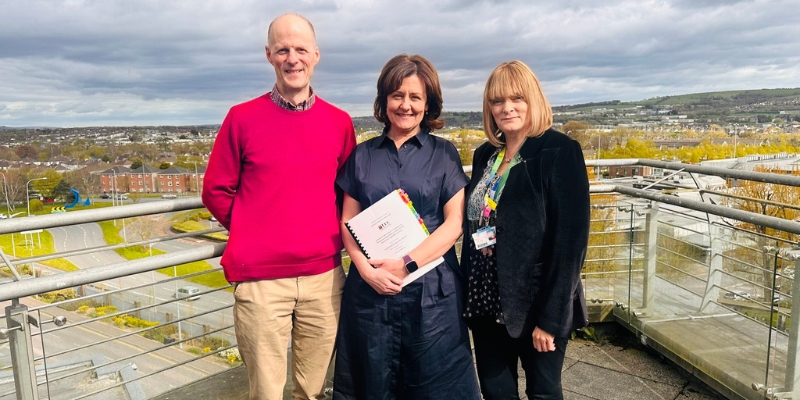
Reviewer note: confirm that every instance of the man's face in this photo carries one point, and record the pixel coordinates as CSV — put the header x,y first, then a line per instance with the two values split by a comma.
x,y
293,52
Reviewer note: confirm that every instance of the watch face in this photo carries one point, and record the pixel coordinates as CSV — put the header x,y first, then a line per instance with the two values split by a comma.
x,y
412,266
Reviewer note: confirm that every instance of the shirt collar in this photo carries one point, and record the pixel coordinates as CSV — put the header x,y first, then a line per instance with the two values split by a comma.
x,y
281,101
419,140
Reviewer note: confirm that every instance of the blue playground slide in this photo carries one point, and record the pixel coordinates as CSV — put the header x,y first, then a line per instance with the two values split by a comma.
x,y
77,199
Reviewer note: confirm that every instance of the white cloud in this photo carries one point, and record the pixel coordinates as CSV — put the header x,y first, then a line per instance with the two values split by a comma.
x,y
115,62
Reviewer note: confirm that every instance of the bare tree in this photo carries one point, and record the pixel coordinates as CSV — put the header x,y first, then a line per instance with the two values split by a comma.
x,y
145,227
773,200
16,179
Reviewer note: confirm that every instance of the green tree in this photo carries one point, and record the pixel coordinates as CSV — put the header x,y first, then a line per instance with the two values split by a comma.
x,y
46,186
106,158
164,165
137,163
62,191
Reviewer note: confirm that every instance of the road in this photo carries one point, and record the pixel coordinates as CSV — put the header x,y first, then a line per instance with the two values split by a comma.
x,y
83,236
154,291
74,335
77,237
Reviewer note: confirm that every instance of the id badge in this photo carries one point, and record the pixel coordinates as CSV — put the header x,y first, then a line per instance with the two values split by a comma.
x,y
484,237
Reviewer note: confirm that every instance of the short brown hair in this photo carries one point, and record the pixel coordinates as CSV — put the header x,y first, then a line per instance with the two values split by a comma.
x,y
512,79
401,67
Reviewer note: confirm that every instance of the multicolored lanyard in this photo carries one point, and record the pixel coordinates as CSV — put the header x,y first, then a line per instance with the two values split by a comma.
x,y
493,194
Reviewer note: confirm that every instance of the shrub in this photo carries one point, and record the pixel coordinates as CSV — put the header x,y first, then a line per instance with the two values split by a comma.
x,y
194,350
59,295
214,342
106,310
133,322
80,304
36,205
231,355
161,332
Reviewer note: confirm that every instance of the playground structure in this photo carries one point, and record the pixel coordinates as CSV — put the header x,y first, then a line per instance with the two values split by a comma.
x,y
76,199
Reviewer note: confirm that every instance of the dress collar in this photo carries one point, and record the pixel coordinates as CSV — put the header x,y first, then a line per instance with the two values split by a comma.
x,y
419,140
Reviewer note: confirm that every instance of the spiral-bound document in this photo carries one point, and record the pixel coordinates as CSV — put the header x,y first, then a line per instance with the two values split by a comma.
x,y
391,228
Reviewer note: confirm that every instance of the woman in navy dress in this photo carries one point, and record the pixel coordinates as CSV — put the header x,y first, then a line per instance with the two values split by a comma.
x,y
405,342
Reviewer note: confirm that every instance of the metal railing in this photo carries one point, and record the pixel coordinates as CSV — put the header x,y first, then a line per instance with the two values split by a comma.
x,y
680,273
118,312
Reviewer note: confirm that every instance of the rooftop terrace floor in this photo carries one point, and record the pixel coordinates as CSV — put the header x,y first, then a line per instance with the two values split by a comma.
x,y
615,367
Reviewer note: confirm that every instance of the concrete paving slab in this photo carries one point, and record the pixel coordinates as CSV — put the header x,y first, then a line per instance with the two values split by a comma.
x,y
618,367
602,383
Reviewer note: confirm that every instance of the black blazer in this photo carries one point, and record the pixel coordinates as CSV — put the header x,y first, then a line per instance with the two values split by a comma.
x,y
542,234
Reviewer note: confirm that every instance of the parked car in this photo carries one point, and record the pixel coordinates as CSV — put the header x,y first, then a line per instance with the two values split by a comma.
x,y
782,301
105,196
188,292
122,197
737,295
169,196
3,216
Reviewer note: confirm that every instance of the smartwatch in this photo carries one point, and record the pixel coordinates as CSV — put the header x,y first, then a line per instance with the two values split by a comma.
x,y
411,265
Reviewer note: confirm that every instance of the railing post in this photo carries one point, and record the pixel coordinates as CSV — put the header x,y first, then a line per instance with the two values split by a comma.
x,y
792,379
714,279
650,251
19,335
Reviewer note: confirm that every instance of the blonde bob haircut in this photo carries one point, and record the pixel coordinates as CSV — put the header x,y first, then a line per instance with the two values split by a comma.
x,y
509,80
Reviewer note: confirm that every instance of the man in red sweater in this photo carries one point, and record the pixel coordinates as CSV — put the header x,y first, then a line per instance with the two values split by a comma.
x,y
270,182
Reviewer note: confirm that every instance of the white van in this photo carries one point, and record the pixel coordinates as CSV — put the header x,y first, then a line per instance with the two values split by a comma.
x,y
188,292
169,196
737,295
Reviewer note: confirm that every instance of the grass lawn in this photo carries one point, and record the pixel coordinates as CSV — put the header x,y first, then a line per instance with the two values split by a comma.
x,y
194,226
23,250
213,279
47,207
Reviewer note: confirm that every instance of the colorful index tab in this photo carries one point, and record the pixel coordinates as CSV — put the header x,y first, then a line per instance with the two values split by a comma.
x,y
408,201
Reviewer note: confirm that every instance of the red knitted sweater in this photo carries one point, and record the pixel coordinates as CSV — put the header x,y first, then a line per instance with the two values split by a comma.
x,y
270,182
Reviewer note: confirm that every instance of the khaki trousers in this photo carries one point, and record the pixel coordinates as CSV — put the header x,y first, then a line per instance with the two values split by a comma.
x,y
268,312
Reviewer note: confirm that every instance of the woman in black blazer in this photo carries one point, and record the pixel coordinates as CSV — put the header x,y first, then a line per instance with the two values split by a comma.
x,y
525,239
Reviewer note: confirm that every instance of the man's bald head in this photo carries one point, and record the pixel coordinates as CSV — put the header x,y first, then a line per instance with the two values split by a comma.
x,y
289,18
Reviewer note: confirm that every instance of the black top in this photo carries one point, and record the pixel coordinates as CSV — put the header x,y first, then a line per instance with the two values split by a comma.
x,y
542,225
427,167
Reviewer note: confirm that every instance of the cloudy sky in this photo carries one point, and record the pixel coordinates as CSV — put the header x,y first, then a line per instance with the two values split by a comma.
x,y
159,62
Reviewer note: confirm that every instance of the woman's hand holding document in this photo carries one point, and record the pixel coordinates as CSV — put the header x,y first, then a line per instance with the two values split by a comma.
x,y
391,228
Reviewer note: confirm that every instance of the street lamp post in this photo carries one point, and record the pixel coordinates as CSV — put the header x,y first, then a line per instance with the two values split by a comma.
x,y
5,191
8,213
178,306
114,191
27,191
597,155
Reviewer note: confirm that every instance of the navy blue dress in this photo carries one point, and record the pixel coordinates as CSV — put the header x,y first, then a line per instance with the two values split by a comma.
x,y
413,345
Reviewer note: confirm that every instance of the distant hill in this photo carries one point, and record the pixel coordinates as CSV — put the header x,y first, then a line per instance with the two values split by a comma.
x,y
452,119
745,106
